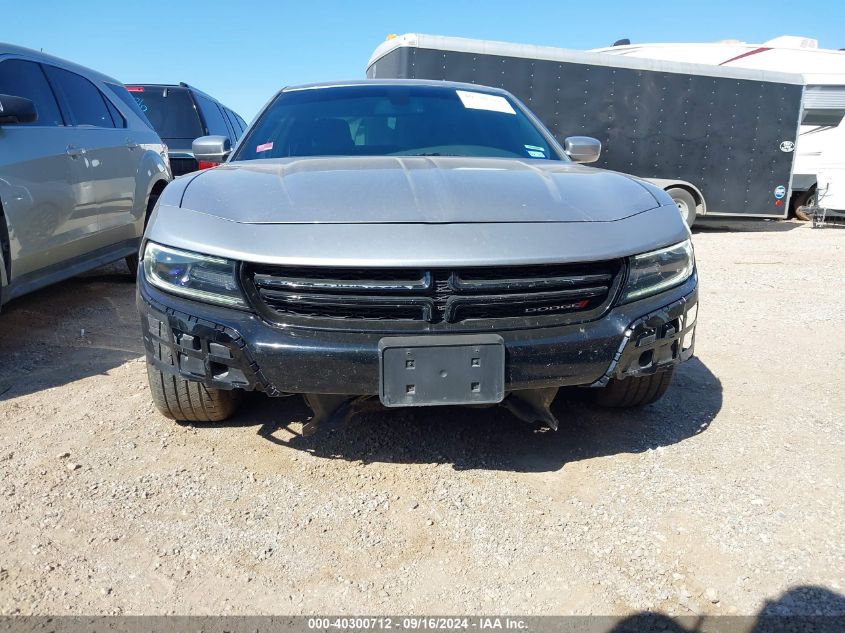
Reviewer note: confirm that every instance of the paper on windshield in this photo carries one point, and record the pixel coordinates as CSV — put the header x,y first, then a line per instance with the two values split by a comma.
x,y
482,101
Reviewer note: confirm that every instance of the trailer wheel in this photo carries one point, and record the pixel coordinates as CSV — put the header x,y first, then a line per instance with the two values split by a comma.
x,y
805,200
685,203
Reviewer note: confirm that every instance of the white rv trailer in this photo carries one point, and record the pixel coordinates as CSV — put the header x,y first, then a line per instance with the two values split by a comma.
x,y
718,140
819,153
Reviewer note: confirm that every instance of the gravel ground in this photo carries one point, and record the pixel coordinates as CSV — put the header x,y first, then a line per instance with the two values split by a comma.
x,y
724,497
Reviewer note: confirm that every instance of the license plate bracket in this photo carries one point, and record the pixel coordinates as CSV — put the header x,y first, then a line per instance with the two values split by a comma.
x,y
420,371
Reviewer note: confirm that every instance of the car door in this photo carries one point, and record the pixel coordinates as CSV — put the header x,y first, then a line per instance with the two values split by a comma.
x,y
107,157
36,176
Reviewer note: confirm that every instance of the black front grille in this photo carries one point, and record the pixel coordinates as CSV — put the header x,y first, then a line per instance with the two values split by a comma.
x,y
435,298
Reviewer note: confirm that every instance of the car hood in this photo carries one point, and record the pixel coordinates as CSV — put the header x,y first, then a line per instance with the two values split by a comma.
x,y
379,190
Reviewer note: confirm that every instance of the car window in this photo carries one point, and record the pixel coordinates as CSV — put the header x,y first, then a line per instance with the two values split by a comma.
x,y
233,121
123,94
214,120
21,78
116,116
233,131
238,121
243,123
86,103
170,110
394,121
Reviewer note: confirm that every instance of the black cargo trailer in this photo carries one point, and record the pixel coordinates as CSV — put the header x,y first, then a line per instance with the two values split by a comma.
x,y
724,136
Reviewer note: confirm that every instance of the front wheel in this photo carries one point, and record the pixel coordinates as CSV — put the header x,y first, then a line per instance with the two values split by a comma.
x,y
685,202
187,400
636,391
132,262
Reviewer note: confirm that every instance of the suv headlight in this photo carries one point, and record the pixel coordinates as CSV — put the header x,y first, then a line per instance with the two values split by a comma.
x,y
202,277
659,270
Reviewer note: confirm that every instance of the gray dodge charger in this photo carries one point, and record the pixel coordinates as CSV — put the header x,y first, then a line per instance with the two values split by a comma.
x,y
405,244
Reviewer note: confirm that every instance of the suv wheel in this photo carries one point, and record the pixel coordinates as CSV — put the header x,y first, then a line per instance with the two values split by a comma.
x,y
187,400
133,260
634,392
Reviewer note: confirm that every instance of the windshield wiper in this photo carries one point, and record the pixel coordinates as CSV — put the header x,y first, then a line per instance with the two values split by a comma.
x,y
431,154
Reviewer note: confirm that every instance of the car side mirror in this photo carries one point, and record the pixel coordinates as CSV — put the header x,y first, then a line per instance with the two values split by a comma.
x,y
582,149
17,110
211,149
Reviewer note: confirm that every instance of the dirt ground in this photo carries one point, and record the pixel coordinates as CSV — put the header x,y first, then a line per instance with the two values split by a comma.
x,y
727,496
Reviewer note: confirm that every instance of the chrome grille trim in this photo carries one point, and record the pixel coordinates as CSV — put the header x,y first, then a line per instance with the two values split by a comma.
x,y
410,284
458,282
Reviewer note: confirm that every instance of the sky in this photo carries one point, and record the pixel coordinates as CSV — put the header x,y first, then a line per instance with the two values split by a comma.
x,y
243,51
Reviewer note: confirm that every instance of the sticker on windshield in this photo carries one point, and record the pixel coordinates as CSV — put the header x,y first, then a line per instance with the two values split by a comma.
x,y
535,151
482,101
264,147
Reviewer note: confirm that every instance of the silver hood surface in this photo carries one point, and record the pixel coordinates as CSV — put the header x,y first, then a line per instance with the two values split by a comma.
x,y
421,190
414,212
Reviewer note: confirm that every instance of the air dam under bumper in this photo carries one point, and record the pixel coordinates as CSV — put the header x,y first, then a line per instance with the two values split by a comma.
x,y
227,348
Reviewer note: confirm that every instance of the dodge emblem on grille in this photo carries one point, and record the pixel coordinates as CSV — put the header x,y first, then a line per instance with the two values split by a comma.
x,y
557,308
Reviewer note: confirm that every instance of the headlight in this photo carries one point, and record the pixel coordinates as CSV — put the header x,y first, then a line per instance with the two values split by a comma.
x,y
203,277
660,270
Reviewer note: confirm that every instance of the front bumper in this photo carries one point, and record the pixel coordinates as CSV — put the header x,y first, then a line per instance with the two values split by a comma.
x,y
227,348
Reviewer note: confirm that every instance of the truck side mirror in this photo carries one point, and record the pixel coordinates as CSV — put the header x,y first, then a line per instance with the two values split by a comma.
x,y
582,149
16,110
211,149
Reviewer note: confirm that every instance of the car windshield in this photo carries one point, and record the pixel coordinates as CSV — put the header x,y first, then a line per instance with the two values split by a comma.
x,y
170,110
398,120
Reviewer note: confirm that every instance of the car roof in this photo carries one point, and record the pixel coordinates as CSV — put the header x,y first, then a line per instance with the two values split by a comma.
x,y
157,85
20,51
433,83
181,84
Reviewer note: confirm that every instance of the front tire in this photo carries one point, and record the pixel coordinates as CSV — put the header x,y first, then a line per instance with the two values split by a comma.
x,y
636,391
187,400
685,202
132,263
